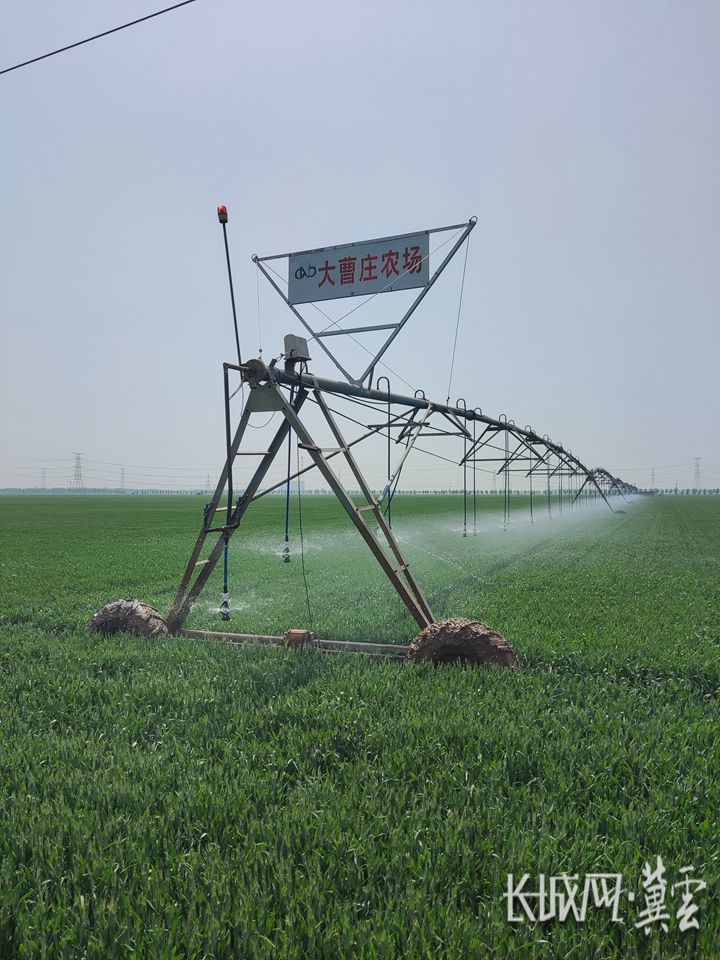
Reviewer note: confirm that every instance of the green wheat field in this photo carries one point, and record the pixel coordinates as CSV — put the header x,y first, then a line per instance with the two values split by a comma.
x,y
182,799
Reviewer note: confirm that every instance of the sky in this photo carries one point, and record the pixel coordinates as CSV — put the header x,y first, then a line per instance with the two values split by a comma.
x,y
583,135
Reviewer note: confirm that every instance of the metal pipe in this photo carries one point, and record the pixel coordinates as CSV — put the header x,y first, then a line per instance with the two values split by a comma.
x,y
310,382
362,243
330,646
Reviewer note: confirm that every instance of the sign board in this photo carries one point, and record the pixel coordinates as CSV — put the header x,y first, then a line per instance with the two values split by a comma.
x,y
358,269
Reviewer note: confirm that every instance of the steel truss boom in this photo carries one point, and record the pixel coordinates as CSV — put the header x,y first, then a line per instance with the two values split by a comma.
x,y
524,435
268,386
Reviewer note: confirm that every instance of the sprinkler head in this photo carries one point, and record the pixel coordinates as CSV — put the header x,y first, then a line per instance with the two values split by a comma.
x,y
225,606
286,554
222,213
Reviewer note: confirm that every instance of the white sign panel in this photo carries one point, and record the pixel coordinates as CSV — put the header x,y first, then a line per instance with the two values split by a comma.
x,y
358,269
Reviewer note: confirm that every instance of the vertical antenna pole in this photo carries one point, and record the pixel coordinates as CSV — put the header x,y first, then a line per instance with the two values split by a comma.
x,y
223,218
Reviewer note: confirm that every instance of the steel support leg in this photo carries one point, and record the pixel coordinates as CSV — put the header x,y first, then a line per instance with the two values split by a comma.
x,y
185,598
409,592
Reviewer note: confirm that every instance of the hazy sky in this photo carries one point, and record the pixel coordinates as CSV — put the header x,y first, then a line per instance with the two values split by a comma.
x,y
583,135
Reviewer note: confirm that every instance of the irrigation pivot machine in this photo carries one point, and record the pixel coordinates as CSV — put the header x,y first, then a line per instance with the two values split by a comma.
x,y
288,387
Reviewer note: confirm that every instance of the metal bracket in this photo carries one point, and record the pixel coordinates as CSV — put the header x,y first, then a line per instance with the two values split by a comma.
x,y
333,330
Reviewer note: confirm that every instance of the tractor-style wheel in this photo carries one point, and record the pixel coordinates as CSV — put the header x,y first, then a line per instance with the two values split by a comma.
x,y
129,616
462,641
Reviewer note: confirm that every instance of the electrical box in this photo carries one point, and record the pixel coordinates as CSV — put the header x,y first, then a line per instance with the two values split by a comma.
x,y
296,348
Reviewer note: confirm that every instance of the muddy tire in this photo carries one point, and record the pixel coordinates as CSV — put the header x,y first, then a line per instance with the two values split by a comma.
x,y
462,641
129,616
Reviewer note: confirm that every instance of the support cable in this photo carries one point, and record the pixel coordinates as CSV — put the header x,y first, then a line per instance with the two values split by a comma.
x,y
359,423
457,325
334,323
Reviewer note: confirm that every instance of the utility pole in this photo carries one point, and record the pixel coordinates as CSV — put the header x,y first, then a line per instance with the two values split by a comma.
x,y
77,480
652,479
122,479
43,478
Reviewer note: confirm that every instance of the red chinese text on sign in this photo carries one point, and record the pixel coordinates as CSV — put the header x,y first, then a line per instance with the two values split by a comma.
x,y
412,260
347,269
368,268
326,270
359,269
390,264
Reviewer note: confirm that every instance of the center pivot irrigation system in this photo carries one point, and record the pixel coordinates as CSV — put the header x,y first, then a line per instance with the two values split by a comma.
x,y
286,386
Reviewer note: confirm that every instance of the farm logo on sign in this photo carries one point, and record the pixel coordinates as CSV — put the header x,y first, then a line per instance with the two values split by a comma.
x,y
357,269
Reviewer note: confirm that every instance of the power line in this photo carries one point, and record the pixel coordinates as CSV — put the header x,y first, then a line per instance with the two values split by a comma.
x,y
146,466
666,466
97,36
38,459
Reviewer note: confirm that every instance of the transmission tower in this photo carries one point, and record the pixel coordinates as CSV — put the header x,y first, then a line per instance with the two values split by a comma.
x,y
697,480
77,480
652,479
122,479
43,478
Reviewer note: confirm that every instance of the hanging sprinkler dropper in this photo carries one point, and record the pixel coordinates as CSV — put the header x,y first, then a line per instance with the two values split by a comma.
x,y
225,605
286,548
223,219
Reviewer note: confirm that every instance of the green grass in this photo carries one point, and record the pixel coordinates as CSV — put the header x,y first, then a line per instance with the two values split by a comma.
x,y
181,799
